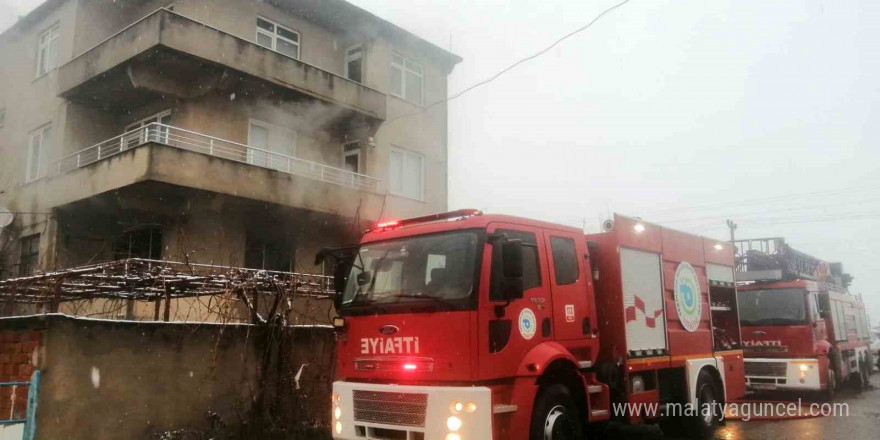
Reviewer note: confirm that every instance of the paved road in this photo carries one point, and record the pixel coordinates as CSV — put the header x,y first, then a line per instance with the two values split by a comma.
x,y
863,423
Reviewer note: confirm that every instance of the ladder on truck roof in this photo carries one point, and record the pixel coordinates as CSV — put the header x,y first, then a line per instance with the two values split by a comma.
x,y
761,259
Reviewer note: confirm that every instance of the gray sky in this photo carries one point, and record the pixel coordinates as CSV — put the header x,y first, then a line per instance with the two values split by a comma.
x,y
664,106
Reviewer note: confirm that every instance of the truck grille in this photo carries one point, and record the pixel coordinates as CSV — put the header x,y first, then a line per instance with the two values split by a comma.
x,y
772,369
403,409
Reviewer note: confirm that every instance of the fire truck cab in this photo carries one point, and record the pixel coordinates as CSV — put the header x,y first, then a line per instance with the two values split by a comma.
x,y
462,326
802,330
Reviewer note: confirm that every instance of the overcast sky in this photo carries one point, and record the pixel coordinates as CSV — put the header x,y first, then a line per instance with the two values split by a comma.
x,y
664,106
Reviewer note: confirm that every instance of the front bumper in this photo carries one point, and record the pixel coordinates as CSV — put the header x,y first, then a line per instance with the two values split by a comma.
x,y
782,374
377,411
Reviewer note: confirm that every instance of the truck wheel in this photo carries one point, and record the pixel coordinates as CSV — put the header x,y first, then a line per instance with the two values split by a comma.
x,y
702,425
830,386
707,401
556,415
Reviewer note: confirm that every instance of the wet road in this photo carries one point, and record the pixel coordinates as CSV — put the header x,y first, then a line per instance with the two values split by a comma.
x,y
863,423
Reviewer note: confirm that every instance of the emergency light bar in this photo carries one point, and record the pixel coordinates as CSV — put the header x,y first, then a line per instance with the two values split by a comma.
x,y
457,214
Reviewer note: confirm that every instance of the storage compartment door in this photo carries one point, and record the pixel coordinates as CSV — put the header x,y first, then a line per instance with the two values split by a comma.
x,y
643,302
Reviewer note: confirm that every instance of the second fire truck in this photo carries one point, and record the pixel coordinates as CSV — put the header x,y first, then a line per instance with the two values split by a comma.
x,y
801,328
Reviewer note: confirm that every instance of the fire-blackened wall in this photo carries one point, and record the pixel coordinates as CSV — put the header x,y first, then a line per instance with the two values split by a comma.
x,y
112,380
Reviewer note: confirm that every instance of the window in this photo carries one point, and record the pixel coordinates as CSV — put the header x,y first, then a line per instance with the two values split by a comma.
x,y
564,260
47,51
405,174
278,38
148,133
38,142
412,269
354,63
814,308
531,268
267,254
271,145
140,243
351,157
29,260
406,79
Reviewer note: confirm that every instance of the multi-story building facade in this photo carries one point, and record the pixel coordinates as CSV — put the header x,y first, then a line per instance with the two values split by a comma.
x,y
232,132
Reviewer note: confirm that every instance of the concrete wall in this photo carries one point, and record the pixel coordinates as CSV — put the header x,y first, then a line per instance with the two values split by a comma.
x,y
112,380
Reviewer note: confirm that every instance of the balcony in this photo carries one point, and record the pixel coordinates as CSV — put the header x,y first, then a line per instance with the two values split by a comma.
x,y
172,157
212,146
166,54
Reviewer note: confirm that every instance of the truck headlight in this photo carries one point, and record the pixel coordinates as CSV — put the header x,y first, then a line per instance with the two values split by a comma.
x,y
804,367
453,423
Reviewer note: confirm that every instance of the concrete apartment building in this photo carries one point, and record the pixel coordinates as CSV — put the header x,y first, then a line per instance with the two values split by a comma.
x,y
231,132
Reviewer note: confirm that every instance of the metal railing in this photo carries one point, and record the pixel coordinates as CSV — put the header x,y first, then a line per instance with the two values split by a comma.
x,y
217,147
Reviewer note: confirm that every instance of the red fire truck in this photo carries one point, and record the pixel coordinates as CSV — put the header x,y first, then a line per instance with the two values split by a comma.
x,y
801,328
469,326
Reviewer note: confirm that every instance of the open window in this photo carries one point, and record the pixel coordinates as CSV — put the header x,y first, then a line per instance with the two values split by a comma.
x,y
354,63
351,157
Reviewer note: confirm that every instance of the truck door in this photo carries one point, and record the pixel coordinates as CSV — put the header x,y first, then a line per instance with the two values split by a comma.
x,y
504,340
568,285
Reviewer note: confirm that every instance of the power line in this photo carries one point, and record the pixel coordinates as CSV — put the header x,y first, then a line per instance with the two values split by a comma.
x,y
823,193
512,66
860,203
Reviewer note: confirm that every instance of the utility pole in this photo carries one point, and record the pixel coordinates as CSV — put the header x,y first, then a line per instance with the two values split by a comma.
x,y
732,226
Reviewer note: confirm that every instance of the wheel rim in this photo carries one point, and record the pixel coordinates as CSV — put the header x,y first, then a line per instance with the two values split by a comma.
x,y
558,425
707,397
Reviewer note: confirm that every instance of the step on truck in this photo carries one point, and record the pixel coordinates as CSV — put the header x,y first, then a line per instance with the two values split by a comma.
x,y
464,326
802,330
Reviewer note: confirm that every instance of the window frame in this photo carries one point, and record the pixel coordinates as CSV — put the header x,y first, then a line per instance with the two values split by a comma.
x,y
24,266
354,152
495,271
41,45
144,136
404,153
275,36
556,267
360,56
41,153
404,69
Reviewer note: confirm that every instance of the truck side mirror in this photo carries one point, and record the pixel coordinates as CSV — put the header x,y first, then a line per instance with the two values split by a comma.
x,y
512,258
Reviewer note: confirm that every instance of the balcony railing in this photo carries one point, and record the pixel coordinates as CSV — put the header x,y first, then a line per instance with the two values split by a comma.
x,y
217,147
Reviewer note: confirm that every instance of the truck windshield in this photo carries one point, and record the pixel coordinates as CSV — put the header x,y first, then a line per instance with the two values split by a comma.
x,y
438,268
772,307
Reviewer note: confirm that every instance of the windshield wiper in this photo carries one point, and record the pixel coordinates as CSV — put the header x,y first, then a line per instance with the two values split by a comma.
x,y
773,321
435,298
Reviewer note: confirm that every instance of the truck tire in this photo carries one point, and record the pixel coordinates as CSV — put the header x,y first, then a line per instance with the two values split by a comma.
x,y
830,387
702,425
556,415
